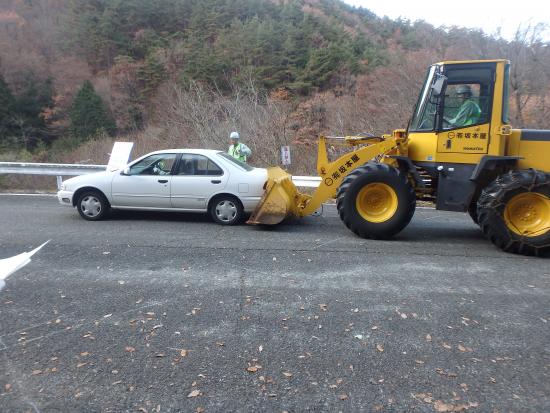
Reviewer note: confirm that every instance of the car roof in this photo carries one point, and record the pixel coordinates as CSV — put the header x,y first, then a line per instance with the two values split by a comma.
x,y
196,151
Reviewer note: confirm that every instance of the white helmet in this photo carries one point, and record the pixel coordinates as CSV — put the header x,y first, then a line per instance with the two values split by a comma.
x,y
234,135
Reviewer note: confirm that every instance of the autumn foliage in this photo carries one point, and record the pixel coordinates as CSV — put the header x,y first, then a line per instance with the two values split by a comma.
x,y
185,73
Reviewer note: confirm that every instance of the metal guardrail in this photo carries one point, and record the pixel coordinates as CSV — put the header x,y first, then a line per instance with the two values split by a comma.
x,y
60,170
56,169
306,181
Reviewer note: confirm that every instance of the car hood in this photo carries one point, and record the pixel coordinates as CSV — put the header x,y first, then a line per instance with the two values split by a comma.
x,y
82,180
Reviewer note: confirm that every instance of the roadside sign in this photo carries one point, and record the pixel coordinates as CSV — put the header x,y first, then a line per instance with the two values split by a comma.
x,y
285,155
120,155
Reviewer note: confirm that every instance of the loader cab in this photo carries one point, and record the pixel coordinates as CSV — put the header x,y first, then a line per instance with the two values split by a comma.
x,y
461,106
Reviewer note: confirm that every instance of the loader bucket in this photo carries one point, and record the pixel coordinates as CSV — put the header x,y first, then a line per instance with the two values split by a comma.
x,y
280,199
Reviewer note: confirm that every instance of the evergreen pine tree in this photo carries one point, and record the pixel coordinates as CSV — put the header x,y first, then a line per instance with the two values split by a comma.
x,y
88,113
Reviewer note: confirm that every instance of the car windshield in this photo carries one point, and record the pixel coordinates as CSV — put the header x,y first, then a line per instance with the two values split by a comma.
x,y
243,165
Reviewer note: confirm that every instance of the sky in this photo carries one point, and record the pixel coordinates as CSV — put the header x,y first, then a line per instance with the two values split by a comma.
x,y
487,15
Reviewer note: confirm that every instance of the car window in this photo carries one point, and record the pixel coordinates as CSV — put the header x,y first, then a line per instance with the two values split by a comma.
x,y
243,165
158,164
194,164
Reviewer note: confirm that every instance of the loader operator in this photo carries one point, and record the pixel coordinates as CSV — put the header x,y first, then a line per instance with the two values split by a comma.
x,y
238,150
469,111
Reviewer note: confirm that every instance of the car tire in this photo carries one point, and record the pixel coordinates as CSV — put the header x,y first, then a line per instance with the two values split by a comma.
x,y
226,210
92,205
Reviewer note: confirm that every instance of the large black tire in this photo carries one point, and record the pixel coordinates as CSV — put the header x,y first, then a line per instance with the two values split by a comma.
x,y
92,205
226,210
472,211
532,208
350,194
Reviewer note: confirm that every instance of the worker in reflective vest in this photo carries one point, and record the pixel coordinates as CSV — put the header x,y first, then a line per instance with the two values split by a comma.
x,y
238,150
469,112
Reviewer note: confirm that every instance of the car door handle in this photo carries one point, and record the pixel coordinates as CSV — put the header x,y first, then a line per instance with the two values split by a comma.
x,y
216,181
163,181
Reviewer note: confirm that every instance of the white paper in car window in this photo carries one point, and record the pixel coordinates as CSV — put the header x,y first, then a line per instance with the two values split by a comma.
x,y
120,155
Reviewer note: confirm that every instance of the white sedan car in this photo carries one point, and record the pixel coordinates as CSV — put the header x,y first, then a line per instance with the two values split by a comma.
x,y
190,180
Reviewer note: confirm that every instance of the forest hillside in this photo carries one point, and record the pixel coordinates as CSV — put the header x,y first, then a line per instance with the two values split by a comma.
x,y
77,74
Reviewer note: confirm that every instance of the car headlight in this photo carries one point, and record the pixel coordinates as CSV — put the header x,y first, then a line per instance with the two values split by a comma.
x,y
63,187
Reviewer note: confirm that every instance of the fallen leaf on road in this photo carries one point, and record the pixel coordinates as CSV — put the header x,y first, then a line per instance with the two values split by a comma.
x,y
287,374
380,348
130,349
464,349
84,354
428,338
323,307
253,369
183,353
7,387
81,365
343,396
448,347
261,348
36,372
194,393
441,406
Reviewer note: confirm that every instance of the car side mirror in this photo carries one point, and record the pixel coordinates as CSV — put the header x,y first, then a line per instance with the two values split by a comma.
x,y
439,85
126,171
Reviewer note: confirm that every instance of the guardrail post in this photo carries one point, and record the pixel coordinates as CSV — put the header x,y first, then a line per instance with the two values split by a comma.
x,y
59,181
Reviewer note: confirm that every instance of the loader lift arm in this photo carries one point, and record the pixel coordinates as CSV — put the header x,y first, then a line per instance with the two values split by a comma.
x,y
281,197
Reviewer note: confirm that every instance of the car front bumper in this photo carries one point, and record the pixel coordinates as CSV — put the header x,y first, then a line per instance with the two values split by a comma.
x,y
65,198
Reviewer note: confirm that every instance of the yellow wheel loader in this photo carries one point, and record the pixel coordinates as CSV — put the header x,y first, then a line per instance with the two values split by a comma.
x,y
458,151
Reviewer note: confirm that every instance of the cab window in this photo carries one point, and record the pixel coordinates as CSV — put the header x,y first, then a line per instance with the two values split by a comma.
x,y
468,96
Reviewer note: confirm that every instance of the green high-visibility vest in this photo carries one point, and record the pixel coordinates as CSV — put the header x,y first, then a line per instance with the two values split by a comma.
x,y
239,151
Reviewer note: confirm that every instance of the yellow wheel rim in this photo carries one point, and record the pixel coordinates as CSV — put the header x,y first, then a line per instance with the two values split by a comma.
x,y
528,214
376,202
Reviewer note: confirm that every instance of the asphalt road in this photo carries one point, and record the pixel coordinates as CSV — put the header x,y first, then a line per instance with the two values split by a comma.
x,y
170,312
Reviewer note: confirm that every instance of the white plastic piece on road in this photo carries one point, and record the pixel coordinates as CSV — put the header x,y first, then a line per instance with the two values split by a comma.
x,y
9,265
